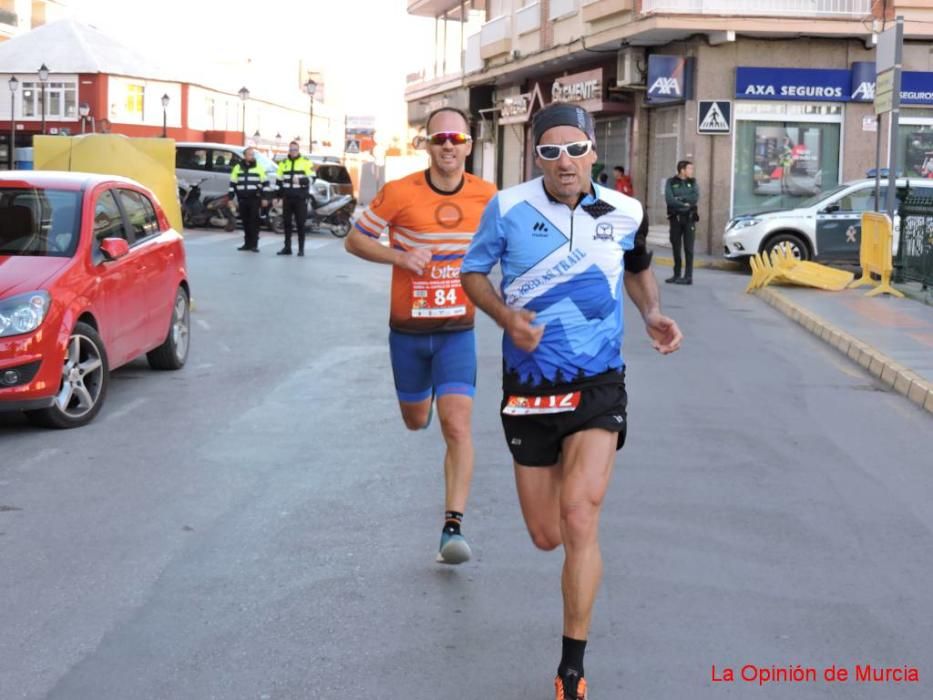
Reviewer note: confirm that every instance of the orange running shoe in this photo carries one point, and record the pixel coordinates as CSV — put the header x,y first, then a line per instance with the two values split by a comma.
x,y
572,687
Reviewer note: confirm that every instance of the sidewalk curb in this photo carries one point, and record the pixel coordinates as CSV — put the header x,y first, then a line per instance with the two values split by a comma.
x,y
889,372
727,265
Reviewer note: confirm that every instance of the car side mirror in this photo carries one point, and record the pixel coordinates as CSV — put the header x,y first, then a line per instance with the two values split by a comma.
x,y
830,208
114,248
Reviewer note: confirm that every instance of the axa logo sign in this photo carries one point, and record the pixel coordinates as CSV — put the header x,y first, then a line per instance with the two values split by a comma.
x,y
865,91
667,87
669,79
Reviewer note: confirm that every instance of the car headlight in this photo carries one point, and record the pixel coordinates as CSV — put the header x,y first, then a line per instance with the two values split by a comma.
x,y
743,223
23,313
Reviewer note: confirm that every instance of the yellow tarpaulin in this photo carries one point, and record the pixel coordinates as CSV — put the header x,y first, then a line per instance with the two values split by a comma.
x,y
151,162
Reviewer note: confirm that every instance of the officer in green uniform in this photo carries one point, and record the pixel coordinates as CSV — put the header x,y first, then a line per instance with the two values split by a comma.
x,y
682,194
250,186
294,180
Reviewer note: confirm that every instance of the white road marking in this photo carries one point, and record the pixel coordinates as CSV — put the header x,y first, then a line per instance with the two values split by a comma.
x,y
225,347
131,406
204,324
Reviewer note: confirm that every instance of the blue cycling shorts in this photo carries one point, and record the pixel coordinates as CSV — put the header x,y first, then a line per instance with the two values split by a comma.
x,y
433,364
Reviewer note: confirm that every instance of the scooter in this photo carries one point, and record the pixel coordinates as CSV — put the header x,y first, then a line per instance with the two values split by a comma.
x,y
213,210
326,211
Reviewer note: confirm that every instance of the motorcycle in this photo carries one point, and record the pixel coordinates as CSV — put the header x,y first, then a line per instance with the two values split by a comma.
x,y
326,211
213,210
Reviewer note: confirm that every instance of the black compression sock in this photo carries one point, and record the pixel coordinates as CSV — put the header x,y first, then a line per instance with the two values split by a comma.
x,y
452,521
572,656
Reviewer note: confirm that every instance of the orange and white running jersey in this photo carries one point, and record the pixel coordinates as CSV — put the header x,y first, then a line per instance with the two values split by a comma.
x,y
418,215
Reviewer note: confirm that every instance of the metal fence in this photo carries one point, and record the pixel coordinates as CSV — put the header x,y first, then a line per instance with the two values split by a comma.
x,y
914,260
795,8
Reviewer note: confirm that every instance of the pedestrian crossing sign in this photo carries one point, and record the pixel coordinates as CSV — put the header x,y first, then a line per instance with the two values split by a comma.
x,y
714,117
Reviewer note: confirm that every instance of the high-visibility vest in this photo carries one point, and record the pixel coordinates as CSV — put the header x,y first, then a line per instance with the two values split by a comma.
x,y
247,183
294,176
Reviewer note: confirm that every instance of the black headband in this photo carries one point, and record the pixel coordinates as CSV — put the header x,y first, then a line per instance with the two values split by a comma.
x,y
563,114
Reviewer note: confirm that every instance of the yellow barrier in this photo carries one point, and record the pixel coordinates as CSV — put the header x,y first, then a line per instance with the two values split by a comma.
x,y
782,266
875,254
150,162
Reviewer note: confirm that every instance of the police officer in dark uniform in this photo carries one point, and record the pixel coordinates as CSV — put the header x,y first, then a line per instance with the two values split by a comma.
x,y
294,179
682,194
250,186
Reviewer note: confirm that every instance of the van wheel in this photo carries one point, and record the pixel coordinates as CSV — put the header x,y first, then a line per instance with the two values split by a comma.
x,y
173,353
796,243
85,377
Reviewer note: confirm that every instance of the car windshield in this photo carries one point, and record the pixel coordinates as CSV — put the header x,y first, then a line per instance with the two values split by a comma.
x,y
817,198
38,221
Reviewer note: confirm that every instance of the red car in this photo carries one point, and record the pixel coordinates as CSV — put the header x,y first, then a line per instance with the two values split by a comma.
x,y
91,276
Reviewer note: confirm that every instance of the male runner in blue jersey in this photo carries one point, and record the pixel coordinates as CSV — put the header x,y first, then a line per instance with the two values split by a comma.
x,y
566,246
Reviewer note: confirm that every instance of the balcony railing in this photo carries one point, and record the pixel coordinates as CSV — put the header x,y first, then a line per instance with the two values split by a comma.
x,y
495,37
782,8
496,30
528,19
562,8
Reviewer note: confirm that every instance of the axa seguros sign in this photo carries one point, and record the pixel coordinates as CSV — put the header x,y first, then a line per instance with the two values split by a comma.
x,y
826,84
916,86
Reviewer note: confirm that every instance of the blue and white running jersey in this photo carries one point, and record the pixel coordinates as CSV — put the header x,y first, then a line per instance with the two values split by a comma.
x,y
566,266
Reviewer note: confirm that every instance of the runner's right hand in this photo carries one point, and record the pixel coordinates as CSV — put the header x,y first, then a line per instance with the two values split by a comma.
x,y
414,260
525,336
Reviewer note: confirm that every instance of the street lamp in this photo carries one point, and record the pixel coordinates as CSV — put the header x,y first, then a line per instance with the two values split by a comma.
x,y
244,95
165,99
84,109
310,88
43,78
14,86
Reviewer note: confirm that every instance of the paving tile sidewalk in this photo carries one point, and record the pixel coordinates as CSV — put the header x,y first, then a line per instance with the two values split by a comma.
x,y
891,338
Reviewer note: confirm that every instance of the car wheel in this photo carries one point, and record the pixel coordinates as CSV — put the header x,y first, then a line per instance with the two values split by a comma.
x,y
173,353
85,377
796,243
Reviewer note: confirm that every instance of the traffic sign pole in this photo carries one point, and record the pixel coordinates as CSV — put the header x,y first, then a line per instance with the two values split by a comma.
x,y
894,118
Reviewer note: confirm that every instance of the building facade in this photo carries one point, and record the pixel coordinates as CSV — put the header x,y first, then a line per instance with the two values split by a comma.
x,y
96,84
771,100
20,16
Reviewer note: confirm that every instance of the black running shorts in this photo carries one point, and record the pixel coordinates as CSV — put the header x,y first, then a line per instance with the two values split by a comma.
x,y
536,440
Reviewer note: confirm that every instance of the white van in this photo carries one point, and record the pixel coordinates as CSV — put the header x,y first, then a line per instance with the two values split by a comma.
x,y
214,161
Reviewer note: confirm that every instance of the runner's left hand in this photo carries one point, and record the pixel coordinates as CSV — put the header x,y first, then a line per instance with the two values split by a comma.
x,y
664,332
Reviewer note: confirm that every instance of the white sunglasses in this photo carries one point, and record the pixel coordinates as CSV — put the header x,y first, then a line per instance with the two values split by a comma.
x,y
577,149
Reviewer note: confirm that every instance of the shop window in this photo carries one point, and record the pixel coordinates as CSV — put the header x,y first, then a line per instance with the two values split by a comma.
x,y
915,146
134,101
780,164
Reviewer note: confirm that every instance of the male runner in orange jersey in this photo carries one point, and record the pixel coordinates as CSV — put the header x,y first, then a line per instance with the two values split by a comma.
x,y
431,217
